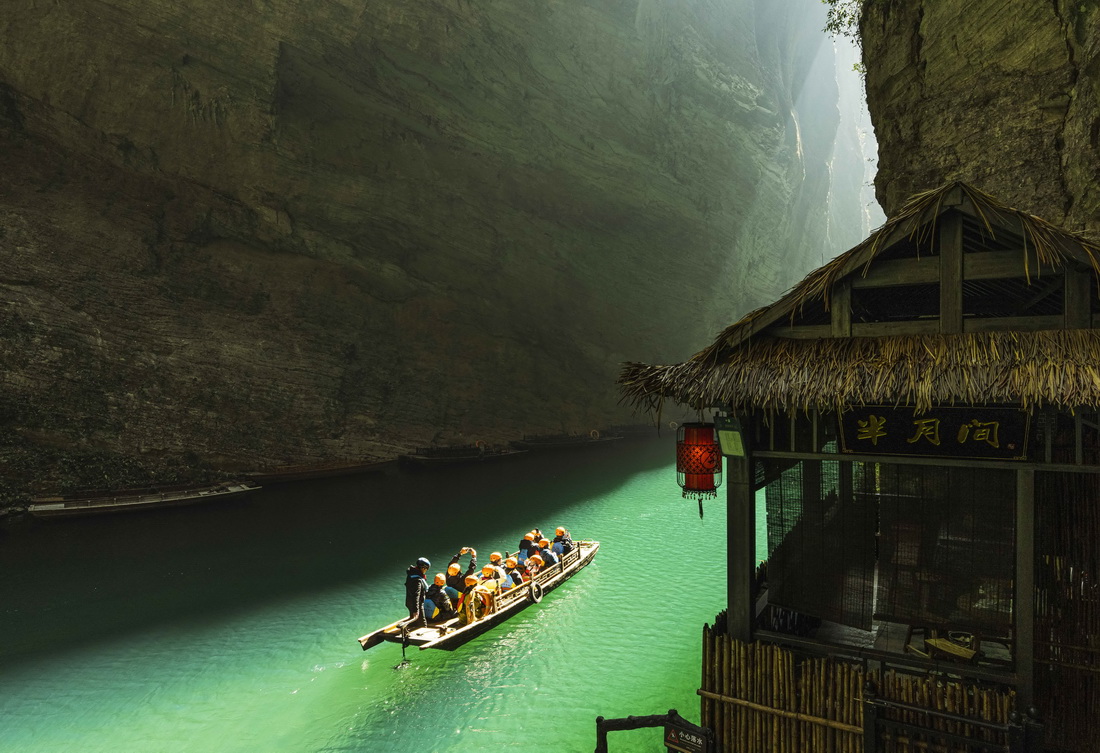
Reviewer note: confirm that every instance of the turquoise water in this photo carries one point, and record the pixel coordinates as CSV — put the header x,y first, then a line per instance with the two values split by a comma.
x,y
234,628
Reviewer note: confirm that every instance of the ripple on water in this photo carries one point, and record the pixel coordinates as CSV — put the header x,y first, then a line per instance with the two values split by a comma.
x,y
256,648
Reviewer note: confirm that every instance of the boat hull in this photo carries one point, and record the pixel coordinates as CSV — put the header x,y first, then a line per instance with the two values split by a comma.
x,y
450,635
63,508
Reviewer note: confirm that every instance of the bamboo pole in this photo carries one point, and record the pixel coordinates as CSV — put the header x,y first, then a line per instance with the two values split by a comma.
x,y
814,720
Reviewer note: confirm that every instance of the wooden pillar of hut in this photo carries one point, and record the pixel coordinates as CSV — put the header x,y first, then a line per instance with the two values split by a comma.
x,y
741,551
1078,309
1024,617
951,273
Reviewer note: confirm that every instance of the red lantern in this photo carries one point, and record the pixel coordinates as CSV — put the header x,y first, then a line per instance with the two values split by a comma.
x,y
698,462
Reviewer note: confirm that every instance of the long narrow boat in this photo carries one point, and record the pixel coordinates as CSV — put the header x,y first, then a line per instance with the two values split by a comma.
x,y
55,507
284,473
451,634
563,441
431,456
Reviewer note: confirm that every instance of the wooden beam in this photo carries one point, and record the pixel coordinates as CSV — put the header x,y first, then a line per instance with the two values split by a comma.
x,y
927,327
1013,323
1024,601
979,265
1078,309
951,273
840,308
887,329
891,272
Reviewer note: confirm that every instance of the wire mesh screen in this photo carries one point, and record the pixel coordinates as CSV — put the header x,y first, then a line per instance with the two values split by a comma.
x,y
947,545
820,542
1067,607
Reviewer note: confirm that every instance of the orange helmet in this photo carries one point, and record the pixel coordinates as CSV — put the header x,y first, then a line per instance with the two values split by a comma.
x,y
453,568
495,557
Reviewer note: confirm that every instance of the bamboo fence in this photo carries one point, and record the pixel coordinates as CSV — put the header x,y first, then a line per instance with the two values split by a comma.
x,y
761,698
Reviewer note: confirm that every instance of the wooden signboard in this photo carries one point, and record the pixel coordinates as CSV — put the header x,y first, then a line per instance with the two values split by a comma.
x,y
951,432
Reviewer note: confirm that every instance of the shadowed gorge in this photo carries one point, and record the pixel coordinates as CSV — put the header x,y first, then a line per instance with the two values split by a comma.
x,y
240,234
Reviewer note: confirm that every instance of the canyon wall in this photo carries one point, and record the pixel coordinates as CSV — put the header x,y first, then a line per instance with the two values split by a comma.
x,y
248,232
1002,94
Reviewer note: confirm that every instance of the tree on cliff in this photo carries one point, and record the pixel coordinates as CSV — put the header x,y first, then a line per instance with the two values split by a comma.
x,y
843,18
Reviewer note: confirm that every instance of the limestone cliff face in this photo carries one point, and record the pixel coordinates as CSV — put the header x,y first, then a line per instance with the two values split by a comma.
x,y
244,232
1000,93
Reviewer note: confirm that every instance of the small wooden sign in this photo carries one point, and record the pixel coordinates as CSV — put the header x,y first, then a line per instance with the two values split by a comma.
x,y
684,741
952,432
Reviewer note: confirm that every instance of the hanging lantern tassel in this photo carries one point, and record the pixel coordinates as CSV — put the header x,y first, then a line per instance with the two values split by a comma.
x,y
698,462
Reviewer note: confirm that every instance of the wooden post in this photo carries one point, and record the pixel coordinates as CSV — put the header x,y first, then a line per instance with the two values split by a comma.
x,y
741,544
840,309
1025,588
951,273
1078,313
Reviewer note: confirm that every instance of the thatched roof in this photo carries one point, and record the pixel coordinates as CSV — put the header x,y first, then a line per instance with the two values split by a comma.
x,y
748,365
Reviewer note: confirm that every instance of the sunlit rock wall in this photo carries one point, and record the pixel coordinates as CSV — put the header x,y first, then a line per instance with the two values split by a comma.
x,y
1000,93
235,233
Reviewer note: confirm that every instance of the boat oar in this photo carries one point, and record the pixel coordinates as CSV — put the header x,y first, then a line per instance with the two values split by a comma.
x,y
404,642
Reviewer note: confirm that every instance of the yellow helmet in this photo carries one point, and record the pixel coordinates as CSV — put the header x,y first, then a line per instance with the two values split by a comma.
x,y
453,568
495,557
511,562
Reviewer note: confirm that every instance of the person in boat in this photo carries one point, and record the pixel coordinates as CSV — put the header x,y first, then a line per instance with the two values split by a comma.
x,y
456,580
513,571
442,597
563,542
534,564
497,563
547,553
471,593
527,547
416,588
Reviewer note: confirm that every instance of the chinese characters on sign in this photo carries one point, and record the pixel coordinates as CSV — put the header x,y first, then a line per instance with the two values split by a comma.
x,y
993,433
684,741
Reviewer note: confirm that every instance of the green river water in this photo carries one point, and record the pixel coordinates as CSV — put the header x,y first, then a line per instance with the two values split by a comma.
x,y
233,628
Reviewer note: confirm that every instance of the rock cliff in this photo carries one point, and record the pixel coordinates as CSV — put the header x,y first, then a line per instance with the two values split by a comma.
x,y
246,232
1000,93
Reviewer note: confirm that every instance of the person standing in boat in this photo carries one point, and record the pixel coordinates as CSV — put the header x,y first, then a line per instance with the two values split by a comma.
x,y
563,542
416,588
455,578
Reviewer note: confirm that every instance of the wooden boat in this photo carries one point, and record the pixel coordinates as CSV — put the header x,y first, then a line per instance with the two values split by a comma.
x,y
285,473
426,456
451,634
113,502
563,441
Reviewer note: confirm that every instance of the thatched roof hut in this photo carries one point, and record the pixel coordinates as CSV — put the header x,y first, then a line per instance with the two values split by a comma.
x,y
956,299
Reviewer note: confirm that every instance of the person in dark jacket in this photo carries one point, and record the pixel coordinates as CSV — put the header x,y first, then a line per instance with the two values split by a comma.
x,y
563,542
456,579
527,547
547,553
416,588
443,596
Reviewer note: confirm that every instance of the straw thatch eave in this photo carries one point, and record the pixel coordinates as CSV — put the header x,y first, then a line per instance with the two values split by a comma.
x,y
1055,367
747,366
